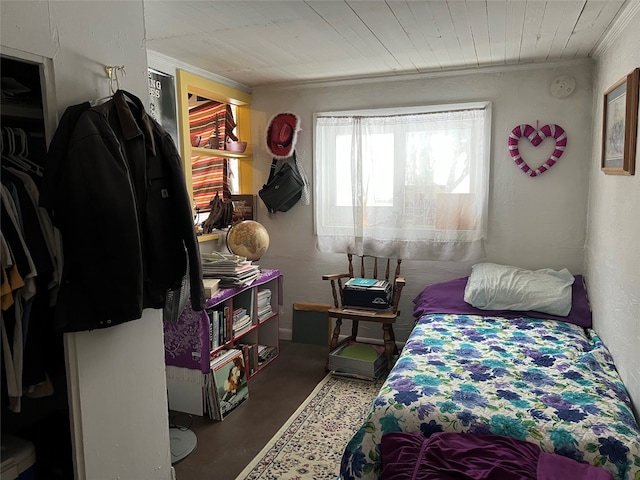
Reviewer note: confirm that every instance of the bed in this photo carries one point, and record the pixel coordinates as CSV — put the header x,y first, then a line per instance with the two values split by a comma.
x,y
540,378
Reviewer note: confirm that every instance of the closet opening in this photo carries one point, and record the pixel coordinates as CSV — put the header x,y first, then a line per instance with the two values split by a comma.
x,y
33,389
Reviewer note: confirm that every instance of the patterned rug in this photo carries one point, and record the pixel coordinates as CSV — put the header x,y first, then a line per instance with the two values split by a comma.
x,y
309,445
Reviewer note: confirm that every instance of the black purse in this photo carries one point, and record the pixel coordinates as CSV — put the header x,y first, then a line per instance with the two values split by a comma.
x,y
284,187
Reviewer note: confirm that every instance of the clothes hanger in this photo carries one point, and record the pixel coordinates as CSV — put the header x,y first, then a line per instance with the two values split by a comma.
x,y
114,84
24,152
131,99
100,101
8,147
18,160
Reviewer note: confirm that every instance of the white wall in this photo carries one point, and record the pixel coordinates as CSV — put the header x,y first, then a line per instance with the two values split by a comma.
x,y
117,386
613,233
533,222
117,375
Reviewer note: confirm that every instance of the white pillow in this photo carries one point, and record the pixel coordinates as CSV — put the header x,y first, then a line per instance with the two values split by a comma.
x,y
502,287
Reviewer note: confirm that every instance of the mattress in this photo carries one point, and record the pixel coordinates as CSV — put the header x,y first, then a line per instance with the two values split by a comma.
x,y
548,382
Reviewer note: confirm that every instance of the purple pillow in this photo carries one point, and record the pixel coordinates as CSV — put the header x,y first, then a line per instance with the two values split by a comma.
x,y
448,297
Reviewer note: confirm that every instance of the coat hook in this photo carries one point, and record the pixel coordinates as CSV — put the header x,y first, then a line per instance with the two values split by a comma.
x,y
112,74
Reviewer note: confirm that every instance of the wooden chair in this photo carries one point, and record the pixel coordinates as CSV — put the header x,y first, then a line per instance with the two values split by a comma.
x,y
386,317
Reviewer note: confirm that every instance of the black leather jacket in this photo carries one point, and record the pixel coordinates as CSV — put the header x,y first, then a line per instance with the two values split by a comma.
x,y
118,196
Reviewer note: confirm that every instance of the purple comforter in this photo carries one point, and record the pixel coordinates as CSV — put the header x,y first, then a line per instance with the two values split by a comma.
x,y
464,456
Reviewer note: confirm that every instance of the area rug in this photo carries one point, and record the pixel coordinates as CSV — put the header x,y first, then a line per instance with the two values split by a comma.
x,y
309,445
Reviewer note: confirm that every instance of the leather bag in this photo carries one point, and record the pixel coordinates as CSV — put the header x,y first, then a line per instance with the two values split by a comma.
x,y
220,214
284,187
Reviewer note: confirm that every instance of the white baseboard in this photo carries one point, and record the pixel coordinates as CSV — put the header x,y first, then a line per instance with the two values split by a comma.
x,y
286,333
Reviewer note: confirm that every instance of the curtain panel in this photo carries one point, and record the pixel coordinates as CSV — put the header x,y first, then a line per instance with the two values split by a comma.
x,y
210,175
408,185
210,124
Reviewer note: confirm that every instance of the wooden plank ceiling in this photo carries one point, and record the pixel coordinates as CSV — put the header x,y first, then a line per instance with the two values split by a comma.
x,y
274,42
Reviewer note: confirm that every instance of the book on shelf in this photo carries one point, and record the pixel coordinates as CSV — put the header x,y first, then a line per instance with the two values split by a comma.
x,y
227,329
264,297
221,329
265,309
221,356
264,312
230,381
241,325
215,335
266,353
249,350
239,313
211,402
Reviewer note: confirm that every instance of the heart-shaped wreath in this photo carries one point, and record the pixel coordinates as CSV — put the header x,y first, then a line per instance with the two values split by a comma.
x,y
536,137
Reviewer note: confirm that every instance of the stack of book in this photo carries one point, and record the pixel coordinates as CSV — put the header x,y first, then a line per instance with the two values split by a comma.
x,y
266,353
264,304
227,385
241,321
230,270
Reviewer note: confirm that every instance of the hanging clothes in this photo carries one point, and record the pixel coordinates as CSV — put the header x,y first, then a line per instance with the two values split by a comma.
x,y
30,351
50,237
21,272
31,315
118,196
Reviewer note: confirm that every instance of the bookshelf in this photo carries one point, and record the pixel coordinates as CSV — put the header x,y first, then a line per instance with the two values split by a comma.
x,y
197,338
190,88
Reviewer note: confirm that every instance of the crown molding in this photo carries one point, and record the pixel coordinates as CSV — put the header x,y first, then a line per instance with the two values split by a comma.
x,y
630,10
452,72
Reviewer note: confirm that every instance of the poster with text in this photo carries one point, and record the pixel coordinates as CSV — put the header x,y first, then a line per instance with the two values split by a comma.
x,y
162,101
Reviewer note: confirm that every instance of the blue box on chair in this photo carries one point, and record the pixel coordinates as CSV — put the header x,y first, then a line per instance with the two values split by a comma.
x,y
367,293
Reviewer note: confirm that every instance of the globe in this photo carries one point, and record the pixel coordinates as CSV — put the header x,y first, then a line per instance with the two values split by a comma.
x,y
248,239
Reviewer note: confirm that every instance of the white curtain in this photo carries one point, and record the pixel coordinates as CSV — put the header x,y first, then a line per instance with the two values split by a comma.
x,y
408,185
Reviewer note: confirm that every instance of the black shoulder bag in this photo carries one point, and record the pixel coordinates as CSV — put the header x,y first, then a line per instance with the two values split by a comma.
x,y
284,187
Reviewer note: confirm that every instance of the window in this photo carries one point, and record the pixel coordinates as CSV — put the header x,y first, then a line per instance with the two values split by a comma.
x,y
411,183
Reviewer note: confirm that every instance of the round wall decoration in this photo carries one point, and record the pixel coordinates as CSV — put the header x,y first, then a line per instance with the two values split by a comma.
x,y
536,137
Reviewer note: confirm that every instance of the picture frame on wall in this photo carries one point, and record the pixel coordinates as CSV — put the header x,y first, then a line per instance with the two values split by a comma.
x,y
620,126
162,101
244,207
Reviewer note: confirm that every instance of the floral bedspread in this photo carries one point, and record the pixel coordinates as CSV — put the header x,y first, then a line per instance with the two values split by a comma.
x,y
542,381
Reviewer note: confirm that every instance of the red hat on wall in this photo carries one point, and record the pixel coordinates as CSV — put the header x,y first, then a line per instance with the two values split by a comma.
x,y
282,134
